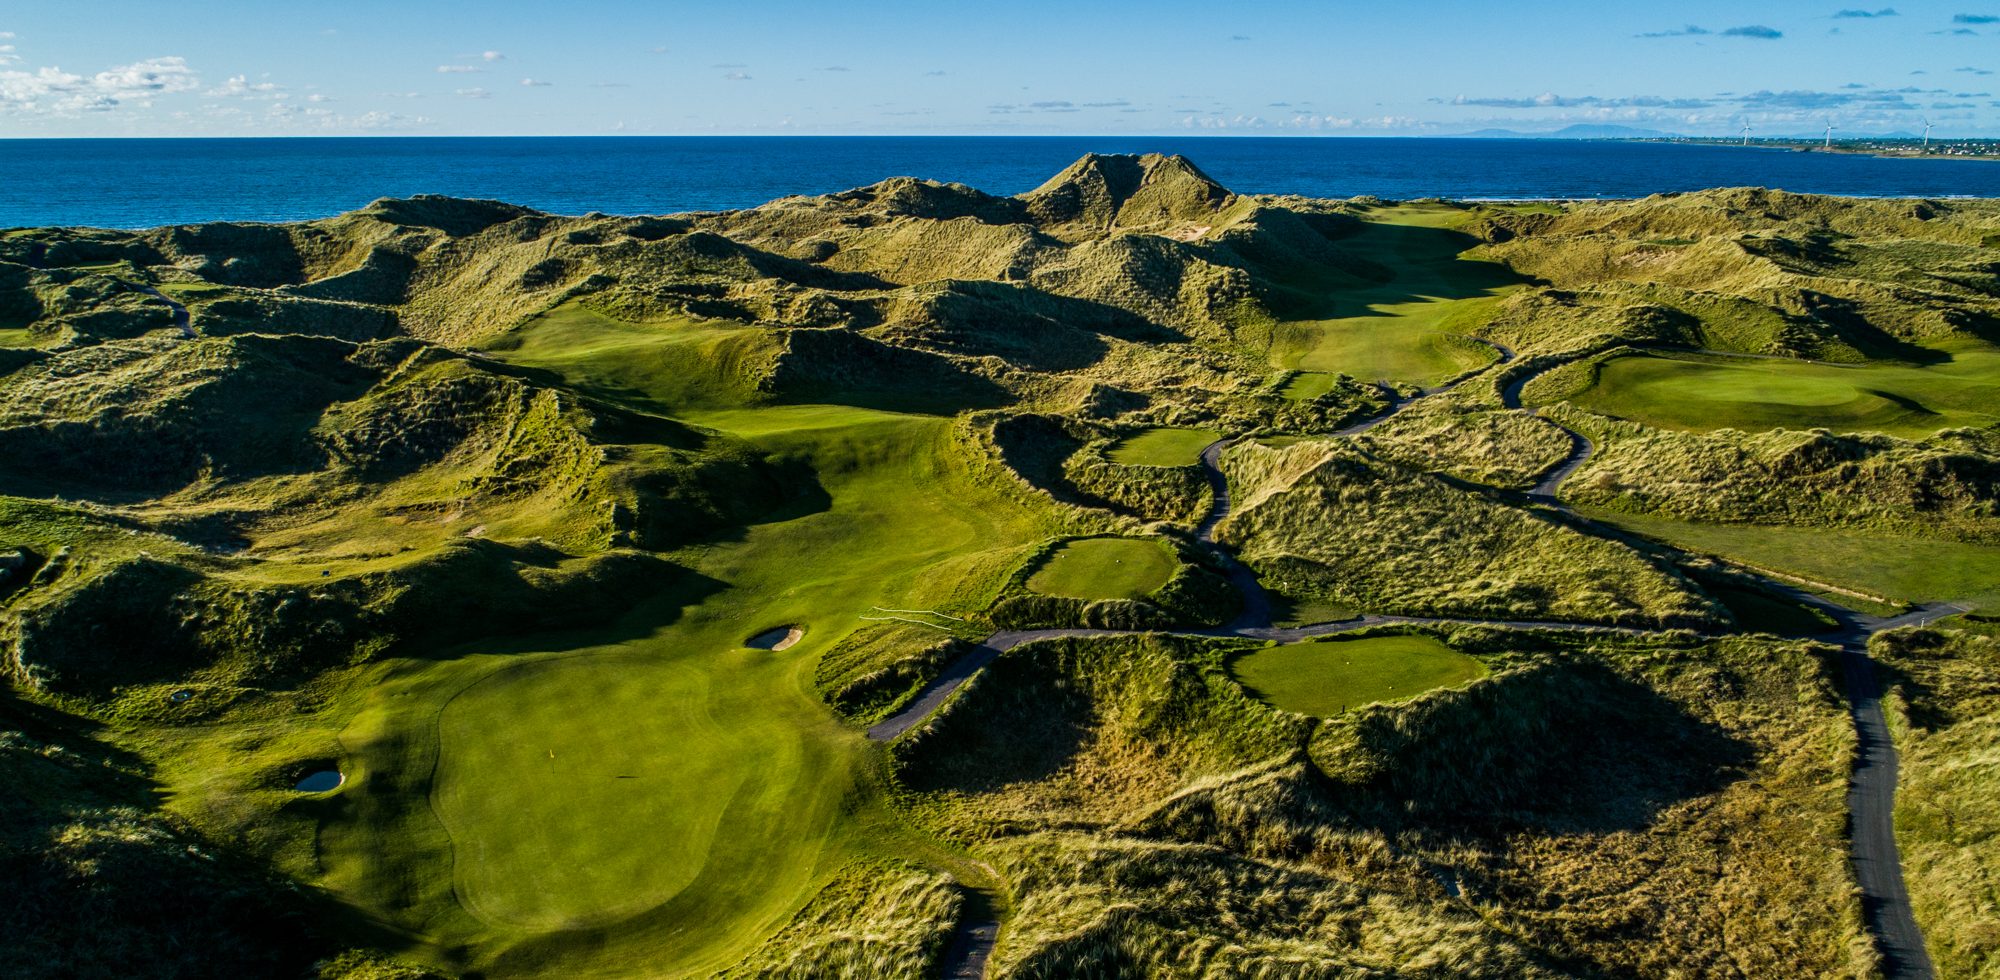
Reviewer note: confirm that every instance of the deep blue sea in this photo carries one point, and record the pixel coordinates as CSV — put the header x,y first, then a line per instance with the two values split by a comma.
x,y
139,183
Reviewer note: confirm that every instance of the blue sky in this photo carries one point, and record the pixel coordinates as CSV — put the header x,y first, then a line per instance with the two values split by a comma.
x,y
1419,67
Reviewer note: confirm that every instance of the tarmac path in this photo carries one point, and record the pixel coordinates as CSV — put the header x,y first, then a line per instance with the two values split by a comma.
x,y
1871,793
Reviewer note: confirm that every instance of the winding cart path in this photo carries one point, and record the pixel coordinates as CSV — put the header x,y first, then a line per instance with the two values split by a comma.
x,y
1871,793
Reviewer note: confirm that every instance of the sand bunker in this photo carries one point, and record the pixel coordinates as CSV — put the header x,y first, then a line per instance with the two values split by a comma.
x,y
322,781
776,639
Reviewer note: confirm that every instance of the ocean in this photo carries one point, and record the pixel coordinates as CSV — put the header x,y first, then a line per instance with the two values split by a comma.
x,y
142,183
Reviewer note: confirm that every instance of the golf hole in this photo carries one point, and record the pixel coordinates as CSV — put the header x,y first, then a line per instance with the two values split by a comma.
x,y
321,781
779,638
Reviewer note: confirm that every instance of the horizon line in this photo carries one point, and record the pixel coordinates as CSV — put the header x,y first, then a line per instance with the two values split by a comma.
x,y
1729,139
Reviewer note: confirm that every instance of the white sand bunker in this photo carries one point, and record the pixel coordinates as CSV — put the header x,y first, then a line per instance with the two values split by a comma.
x,y
780,638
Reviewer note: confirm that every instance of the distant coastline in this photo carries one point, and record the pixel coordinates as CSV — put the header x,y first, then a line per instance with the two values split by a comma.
x,y
1897,148
191,181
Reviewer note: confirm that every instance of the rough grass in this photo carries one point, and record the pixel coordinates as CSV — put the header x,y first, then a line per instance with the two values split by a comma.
x,y
879,919
1326,677
1321,520
1945,706
1635,808
869,672
1105,568
1940,487
1501,449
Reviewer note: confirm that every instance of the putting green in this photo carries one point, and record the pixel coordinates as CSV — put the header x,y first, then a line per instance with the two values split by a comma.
x,y
1105,568
1322,678
1706,393
1163,447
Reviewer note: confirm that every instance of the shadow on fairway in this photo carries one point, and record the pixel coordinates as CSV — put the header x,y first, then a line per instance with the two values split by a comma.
x,y
99,884
1404,264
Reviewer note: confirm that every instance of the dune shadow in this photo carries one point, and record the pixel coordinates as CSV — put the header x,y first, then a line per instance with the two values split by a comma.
x,y
1556,749
100,883
971,747
1400,264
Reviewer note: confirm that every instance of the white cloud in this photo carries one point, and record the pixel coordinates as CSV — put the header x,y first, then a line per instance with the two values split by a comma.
x,y
388,120
737,76
492,56
241,87
54,91
533,83
458,69
474,93
7,55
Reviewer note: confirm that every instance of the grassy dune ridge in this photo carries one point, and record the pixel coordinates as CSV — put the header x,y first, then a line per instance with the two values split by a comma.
x,y
1162,820
1944,703
479,506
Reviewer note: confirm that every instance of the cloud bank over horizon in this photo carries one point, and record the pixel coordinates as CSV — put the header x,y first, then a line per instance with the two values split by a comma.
x,y
239,69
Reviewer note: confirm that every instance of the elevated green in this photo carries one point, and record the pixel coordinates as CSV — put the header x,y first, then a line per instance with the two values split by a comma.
x,y
1105,568
1163,447
1322,678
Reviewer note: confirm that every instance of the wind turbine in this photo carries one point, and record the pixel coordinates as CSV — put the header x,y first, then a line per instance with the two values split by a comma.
x,y
1829,134
1927,135
1746,132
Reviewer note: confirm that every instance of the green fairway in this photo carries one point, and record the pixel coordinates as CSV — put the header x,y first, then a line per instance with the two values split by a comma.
x,y
511,741
1410,327
1163,447
1307,385
1105,568
1696,393
1322,678
665,365
649,797
857,586
1901,569
1406,342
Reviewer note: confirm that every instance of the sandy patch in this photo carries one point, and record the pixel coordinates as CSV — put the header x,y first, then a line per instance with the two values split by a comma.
x,y
780,638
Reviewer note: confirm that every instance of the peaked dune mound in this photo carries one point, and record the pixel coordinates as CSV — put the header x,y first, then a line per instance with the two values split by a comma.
x,y
1101,191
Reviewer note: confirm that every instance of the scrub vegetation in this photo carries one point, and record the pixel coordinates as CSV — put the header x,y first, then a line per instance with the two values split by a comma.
x,y
477,506
1946,710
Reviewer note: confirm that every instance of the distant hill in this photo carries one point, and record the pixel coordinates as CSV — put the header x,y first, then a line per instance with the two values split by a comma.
x,y
1580,131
